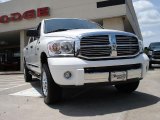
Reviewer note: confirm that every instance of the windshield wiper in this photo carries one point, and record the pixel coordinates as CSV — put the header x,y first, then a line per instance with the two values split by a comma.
x,y
58,30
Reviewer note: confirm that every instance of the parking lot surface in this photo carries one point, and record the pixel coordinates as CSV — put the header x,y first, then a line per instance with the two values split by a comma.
x,y
23,101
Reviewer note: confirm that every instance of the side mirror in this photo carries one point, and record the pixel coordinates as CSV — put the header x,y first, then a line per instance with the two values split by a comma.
x,y
32,33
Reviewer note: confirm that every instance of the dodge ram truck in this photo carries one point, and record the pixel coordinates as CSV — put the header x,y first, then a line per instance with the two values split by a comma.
x,y
74,52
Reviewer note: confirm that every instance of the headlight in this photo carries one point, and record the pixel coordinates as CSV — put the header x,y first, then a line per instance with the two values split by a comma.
x,y
140,46
150,52
61,48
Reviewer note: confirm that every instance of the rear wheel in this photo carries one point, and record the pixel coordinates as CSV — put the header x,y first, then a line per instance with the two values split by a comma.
x,y
51,91
127,87
27,76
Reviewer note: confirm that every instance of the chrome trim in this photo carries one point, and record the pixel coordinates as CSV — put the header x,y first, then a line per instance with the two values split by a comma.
x,y
77,47
127,45
113,45
96,76
135,73
85,46
131,74
95,58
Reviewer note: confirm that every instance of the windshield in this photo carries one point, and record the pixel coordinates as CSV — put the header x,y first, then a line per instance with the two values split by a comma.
x,y
55,25
155,45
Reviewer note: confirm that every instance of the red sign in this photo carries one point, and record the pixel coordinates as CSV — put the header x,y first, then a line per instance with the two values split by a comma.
x,y
30,14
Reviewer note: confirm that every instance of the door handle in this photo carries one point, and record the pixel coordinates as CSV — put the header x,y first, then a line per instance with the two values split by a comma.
x,y
31,46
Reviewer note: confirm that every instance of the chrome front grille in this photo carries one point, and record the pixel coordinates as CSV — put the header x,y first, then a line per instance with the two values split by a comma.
x,y
126,45
108,46
95,46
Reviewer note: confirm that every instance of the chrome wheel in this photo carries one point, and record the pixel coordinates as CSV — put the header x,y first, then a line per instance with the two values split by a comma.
x,y
44,84
52,93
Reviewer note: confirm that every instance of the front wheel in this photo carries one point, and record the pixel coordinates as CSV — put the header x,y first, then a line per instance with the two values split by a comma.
x,y
51,91
127,87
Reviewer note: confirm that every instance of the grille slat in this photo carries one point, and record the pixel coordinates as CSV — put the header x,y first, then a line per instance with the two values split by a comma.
x,y
102,38
126,45
94,43
99,54
96,46
93,48
125,50
121,37
91,52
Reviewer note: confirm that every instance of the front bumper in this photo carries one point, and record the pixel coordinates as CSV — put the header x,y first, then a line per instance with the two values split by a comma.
x,y
77,67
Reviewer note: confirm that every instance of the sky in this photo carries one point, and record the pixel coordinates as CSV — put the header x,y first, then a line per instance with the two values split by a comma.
x,y
148,14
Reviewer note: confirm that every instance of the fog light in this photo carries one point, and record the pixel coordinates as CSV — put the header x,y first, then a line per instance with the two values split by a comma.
x,y
67,75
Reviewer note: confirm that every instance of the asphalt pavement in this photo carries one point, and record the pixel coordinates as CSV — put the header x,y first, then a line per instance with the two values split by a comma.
x,y
23,101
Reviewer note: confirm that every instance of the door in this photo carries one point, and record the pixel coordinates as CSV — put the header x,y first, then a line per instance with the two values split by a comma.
x,y
36,56
30,53
33,58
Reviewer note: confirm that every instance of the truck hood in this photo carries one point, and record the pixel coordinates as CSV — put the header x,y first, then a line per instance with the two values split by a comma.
x,y
79,33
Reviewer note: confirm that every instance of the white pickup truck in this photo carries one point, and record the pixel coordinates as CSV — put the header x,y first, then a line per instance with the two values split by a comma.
x,y
74,52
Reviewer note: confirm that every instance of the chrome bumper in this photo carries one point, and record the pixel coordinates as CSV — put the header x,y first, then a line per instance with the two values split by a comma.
x,y
130,74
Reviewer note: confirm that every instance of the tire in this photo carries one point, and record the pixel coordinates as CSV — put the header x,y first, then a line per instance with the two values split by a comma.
x,y
27,76
127,87
51,91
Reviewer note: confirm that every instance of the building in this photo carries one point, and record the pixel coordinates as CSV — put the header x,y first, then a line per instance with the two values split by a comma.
x,y
16,16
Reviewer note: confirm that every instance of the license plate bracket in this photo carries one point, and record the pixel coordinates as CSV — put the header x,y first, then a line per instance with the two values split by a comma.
x,y
118,76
